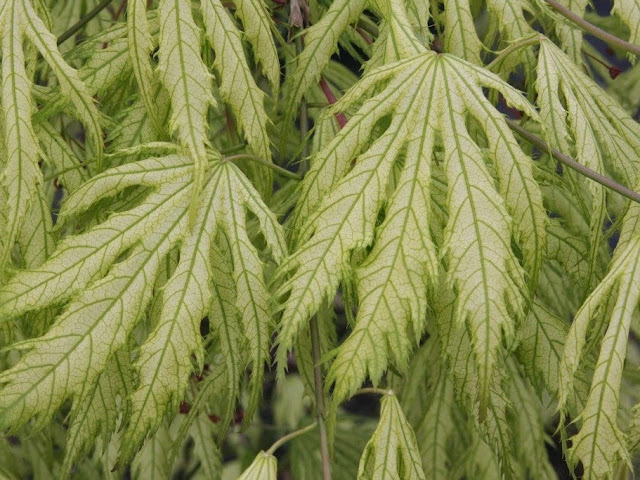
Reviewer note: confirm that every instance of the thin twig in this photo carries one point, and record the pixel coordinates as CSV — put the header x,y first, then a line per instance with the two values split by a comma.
x,y
282,171
281,441
571,163
592,29
512,48
83,21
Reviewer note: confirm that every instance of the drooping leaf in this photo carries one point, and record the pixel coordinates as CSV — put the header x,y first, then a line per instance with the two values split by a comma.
x,y
187,79
98,321
392,451
628,11
140,48
95,413
205,450
151,460
264,467
345,203
257,29
600,443
21,174
320,41
237,85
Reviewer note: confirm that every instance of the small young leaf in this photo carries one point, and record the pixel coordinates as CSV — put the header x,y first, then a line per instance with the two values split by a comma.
x,y
264,467
392,451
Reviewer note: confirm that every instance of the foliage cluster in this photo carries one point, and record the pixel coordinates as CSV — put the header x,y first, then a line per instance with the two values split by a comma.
x,y
192,193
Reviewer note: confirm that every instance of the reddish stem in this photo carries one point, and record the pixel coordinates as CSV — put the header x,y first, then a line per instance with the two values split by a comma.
x,y
613,70
331,98
116,15
364,35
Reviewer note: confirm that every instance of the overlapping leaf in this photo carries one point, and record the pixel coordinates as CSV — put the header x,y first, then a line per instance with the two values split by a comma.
x,y
98,321
321,41
237,86
628,11
21,175
600,443
425,96
603,134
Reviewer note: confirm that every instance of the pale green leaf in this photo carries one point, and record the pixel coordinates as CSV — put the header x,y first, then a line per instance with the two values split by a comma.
x,y
100,71
21,174
233,197
351,435
257,24
78,259
237,85
419,16
555,79
437,427
460,37
396,38
598,125
392,452
541,340
98,407
320,41
628,11
134,126
164,363
345,221
393,279
264,467
140,47
67,165
36,240
94,325
480,462
600,443
491,422
529,434
71,87
205,449
633,437
570,250
570,35
98,320
228,329
187,79
151,461
326,319
481,264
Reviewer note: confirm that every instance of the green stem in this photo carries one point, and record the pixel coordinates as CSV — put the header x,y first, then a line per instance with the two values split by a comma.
x,y
281,441
592,29
512,48
233,149
73,29
571,163
282,171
